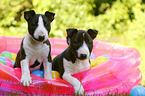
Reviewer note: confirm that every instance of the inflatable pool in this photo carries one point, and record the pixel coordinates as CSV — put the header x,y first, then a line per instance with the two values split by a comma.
x,y
117,75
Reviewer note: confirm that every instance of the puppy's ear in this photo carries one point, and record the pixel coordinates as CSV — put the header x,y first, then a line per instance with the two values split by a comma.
x,y
70,33
29,14
50,15
93,33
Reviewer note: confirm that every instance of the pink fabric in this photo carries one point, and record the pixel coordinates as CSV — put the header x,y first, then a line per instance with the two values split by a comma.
x,y
118,75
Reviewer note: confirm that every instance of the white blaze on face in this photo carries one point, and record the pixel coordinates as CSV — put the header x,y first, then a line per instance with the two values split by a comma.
x,y
41,30
83,50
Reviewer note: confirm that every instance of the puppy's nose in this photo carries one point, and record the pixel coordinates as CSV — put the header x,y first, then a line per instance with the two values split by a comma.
x,y
41,37
83,56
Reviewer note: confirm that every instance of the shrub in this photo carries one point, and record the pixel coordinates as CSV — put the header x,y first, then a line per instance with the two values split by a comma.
x,y
120,18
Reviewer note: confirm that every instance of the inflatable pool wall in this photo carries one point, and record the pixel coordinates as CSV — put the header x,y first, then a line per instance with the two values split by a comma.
x,y
117,75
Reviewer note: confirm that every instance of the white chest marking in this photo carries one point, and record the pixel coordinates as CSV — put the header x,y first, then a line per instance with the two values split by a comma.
x,y
34,50
78,66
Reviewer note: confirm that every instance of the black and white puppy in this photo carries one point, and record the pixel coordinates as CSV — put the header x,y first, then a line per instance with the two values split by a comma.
x,y
35,48
75,58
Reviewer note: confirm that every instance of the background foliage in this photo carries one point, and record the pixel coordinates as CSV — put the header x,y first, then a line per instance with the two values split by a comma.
x,y
116,20
110,17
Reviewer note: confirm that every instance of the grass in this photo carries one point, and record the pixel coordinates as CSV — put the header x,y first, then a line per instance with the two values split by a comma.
x,y
25,94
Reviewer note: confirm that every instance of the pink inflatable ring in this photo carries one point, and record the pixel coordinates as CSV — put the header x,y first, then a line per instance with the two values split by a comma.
x,y
117,75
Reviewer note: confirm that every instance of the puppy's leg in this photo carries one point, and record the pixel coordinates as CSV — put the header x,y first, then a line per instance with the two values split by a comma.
x,y
47,70
78,88
17,61
26,78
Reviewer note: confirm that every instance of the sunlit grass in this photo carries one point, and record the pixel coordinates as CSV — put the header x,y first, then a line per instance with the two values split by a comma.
x,y
17,94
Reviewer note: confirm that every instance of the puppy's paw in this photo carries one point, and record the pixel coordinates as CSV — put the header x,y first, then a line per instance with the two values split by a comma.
x,y
26,80
79,90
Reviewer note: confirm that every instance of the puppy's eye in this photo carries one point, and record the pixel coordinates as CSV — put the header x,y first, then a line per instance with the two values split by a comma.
x,y
89,41
76,41
46,23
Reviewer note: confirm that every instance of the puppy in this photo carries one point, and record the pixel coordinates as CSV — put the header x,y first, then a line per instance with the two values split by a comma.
x,y
35,48
75,58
